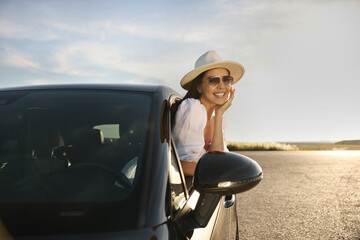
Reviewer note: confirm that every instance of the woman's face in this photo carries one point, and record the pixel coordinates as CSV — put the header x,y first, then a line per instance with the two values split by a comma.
x,y
211,94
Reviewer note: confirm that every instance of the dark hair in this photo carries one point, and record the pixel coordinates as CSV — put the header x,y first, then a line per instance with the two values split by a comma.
x,y
192,93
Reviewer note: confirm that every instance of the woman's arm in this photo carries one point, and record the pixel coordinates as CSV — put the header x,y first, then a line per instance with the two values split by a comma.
x,y
190,121
188,168
218,139
217,143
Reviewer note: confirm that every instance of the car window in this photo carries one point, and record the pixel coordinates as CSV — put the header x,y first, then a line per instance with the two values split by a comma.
x,y
71,160
71,145
177,186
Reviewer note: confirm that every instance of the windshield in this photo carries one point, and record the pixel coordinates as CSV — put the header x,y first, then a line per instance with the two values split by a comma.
x,y
71,147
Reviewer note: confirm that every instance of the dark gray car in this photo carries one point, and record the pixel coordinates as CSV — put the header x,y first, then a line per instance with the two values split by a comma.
x,y
99,162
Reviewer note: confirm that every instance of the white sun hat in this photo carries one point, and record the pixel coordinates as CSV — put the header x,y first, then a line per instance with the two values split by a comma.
x,y
210,60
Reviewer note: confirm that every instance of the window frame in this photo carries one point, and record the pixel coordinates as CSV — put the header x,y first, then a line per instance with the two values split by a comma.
x,y
172,147
183,183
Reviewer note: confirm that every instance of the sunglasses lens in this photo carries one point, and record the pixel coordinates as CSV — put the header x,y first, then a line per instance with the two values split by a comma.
x,y
228,80
214,81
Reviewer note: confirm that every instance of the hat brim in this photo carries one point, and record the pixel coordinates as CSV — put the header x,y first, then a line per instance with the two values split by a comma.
x,y
236,71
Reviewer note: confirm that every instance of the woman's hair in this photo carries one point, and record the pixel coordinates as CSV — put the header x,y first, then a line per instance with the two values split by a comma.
x,y
192,93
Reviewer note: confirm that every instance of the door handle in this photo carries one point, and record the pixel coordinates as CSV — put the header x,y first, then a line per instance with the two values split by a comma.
x,y
229,200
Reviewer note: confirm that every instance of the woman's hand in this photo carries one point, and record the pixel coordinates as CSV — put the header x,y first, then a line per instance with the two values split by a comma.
x,y
220,109
218,139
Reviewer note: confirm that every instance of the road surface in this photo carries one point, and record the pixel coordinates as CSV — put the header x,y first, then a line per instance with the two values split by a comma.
x,y
304,195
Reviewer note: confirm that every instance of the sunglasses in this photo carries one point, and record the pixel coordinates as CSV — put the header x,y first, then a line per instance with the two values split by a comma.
x,y
214,81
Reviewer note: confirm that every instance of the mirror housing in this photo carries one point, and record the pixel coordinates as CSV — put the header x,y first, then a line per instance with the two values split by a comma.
x,y
219,174
226,173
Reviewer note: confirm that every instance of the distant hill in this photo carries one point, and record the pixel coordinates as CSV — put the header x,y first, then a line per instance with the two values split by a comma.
x,y
349,142
310,143
296,146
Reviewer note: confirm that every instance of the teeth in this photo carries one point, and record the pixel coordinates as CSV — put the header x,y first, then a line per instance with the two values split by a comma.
x,y
219,94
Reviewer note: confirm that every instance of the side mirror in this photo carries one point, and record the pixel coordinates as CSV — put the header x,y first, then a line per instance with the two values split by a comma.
x,y
226,173
219,174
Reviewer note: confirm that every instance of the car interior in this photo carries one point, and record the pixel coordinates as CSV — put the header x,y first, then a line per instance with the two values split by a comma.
x,y
44,144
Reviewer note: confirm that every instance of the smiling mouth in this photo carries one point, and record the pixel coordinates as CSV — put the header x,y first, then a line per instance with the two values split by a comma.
x,y
219,94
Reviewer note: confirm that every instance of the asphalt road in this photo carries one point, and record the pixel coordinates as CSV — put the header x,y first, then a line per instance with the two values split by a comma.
x,y
304,195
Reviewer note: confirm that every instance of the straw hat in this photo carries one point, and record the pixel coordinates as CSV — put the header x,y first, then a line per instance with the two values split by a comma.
x,y
210,60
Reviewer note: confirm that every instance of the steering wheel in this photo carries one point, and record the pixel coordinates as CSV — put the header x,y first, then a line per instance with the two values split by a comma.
x,y
124,181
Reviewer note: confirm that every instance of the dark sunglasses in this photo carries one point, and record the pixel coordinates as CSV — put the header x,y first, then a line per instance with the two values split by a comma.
x,y
214,81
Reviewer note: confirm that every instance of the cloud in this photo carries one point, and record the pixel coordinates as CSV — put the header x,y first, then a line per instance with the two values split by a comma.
x,y
182,33
244,30
13,30
79,58
94,62
51,21
37,81
9,29
14,58
117,28
97,60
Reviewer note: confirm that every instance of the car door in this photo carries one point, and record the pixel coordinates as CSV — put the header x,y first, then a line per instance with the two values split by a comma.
x,y
226,226
183,201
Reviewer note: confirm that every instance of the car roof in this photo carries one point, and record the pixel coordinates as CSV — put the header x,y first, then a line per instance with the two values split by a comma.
x,y
123,87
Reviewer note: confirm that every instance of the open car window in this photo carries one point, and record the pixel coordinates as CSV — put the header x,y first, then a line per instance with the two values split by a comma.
x,y
177,185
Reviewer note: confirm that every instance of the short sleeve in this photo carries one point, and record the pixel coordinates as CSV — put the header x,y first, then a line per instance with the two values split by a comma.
x,y
188,131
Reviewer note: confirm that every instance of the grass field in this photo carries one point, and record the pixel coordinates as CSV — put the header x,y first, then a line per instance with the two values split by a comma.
x,y
275,146
261,146
329,147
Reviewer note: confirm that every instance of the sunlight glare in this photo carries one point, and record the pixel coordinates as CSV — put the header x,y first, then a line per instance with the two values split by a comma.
x,y
348,153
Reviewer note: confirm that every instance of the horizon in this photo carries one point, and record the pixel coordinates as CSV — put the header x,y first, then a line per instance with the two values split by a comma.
x,y
302,141
301,58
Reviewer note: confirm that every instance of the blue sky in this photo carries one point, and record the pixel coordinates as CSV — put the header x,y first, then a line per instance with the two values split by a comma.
x,y
301,58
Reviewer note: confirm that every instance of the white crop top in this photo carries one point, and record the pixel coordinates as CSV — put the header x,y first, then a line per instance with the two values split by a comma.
x,y
188,131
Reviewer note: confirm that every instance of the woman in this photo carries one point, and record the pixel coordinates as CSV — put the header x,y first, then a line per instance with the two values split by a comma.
x,y
199,123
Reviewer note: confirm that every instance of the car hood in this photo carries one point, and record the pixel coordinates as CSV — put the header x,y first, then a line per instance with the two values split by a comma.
x,y
158,232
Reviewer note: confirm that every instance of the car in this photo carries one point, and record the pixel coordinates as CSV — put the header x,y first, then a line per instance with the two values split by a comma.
x,y
98,161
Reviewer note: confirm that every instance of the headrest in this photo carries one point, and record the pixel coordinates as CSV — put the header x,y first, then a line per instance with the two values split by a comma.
x,y
94,137
45,138
87,137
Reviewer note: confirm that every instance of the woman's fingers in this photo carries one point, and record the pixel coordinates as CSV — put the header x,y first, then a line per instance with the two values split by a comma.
x,y
231,97
232,93
227,104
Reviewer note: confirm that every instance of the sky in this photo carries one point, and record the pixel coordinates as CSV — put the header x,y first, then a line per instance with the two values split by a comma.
x,y
301,58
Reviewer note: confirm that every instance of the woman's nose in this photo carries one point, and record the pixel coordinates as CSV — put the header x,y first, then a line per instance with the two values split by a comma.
x,y
221,84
